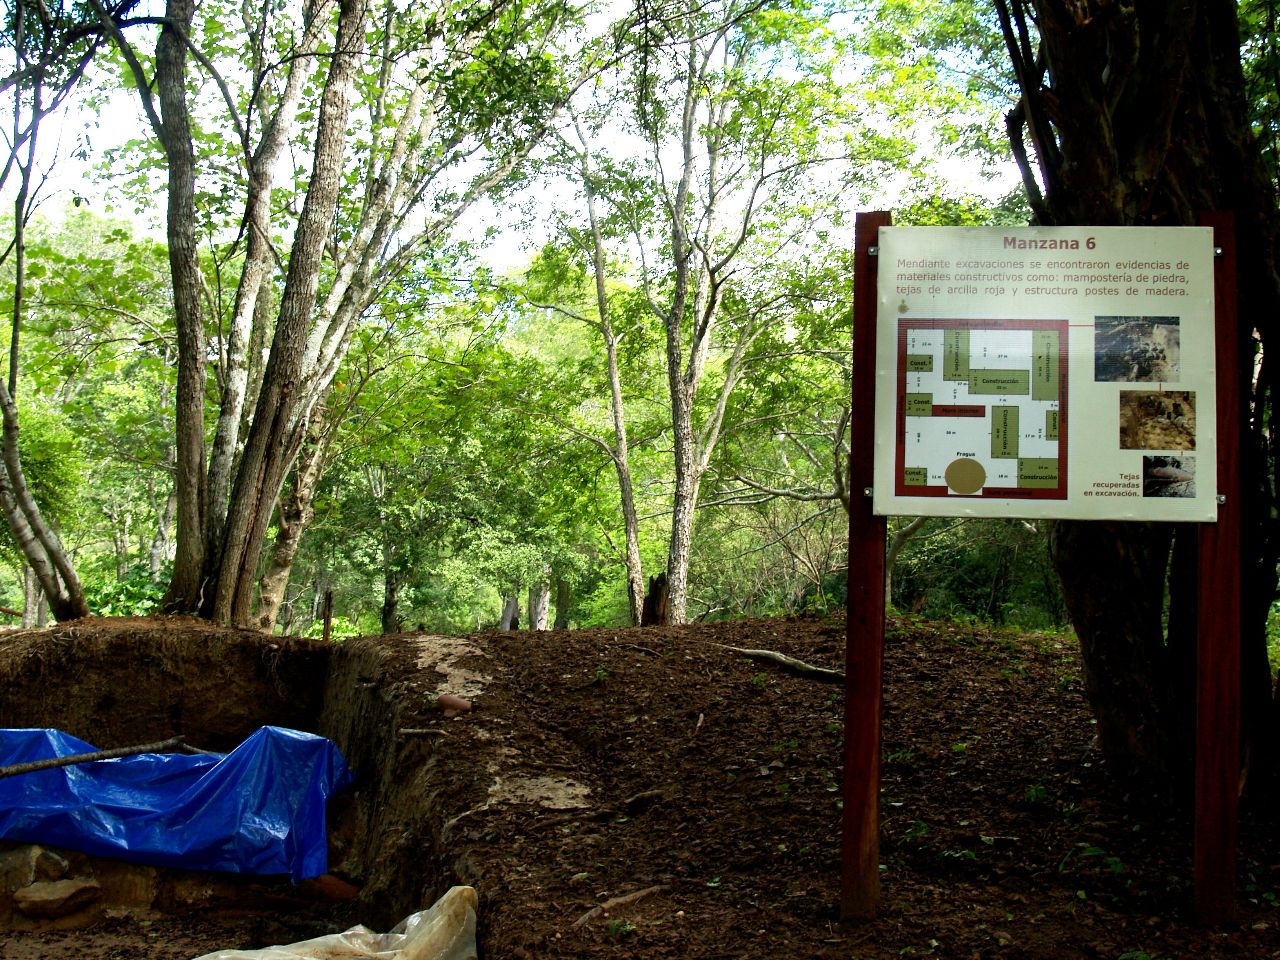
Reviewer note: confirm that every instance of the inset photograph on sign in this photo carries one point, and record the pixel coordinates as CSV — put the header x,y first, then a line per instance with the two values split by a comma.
x,y
1157,420
1164,476
1136,350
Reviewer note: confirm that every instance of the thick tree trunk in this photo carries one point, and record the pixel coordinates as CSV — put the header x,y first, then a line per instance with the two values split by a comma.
x,y
654,612
391,619
293,518
1136,114
539,605
688,479
248,321
1121,637
274,438
510,613
184,266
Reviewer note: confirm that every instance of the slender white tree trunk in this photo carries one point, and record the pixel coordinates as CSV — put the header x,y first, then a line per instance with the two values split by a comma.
x,y
510,613
621,448
540,605
30,597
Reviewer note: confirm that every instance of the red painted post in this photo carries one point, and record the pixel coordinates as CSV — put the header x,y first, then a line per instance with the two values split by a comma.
x,y
1218,627
864,647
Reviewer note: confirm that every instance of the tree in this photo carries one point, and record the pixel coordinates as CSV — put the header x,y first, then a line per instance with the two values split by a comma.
x,y
592,244
428,142
1136,114
52,46
741,160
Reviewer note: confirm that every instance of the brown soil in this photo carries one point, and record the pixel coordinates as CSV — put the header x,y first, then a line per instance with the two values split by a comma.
x,y
602,763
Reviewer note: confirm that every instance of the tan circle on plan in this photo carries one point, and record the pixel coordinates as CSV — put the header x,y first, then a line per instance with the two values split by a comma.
x,y
965,476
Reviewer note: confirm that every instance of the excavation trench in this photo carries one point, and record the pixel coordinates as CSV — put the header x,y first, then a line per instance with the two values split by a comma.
x,y
121,682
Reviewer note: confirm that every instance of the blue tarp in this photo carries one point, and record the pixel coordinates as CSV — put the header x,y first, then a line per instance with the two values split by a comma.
x,y
259,809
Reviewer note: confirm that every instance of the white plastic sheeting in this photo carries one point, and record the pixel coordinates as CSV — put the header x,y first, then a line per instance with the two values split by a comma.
x,y
447,931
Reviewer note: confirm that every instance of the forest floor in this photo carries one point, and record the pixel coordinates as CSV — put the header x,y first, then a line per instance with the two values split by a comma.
x,y
712,782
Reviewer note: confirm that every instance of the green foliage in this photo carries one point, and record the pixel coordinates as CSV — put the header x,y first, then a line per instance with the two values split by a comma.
x,y
54,462
135,594
995,571
1260,53
340,628
930,206
468,463
1273,637
619,929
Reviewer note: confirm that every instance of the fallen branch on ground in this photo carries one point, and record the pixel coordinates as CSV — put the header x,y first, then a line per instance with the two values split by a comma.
x,y
790,664
622,901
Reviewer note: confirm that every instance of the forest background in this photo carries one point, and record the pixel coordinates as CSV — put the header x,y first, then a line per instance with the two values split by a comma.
x,y
650,375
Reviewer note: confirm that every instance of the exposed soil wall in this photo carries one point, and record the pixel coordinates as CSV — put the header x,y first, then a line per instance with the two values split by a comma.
x,y
385,720
121,682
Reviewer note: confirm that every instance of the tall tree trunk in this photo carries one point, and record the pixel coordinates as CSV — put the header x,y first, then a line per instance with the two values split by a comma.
x,y
1137,115
684,506
273,440
391,583
158,552
621,449
249,320
510,613
174,131
30,597
539,605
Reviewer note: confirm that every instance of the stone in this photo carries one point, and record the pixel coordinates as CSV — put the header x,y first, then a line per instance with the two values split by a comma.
x,y
49,900
18,868
50,865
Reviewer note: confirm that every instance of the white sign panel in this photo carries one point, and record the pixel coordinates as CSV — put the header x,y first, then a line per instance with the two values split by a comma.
x,y
1046,372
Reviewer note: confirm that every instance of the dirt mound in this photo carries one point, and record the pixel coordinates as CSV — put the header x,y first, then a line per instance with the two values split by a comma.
x,y
651,793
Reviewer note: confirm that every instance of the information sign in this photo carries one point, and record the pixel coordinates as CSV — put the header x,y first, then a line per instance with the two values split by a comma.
x,y
1046,372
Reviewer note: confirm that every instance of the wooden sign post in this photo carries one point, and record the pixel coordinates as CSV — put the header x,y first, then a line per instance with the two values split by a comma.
x,y
864,646
1218,629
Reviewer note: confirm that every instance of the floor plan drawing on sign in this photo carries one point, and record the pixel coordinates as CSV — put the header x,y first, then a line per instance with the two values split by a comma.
x,y
982,408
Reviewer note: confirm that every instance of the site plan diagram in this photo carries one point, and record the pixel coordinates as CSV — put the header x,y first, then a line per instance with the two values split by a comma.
x,y
982,408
